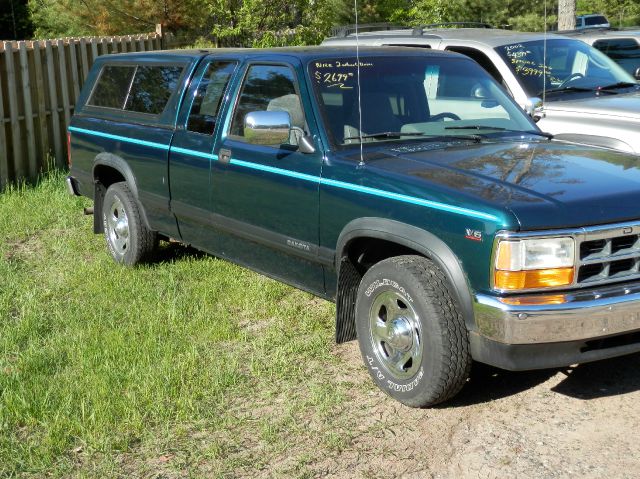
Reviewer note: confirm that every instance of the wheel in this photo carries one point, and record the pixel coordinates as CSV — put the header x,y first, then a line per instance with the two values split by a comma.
x,y
411,333
128,239
443,115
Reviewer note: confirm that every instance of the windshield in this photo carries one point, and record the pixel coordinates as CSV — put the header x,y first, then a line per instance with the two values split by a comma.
x,y
412,99
569,65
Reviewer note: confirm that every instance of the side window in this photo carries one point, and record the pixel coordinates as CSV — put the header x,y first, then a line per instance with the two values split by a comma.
x,y
482,59
624,51
269,88
152,87
112,87
206,104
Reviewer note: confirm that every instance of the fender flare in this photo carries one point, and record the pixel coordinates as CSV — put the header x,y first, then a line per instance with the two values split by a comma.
x,y
419,240
121,166
117,163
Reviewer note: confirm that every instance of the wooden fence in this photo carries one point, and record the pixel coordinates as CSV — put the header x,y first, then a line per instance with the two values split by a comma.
x,y
39,84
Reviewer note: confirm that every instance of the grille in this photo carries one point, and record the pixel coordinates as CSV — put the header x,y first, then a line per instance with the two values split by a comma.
x,y
607,255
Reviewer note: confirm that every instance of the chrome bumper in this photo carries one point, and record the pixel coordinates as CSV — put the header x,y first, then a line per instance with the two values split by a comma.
x,y
574,316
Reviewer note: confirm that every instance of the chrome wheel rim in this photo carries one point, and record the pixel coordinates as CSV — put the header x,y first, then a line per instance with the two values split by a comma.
x,y
118,227
396,334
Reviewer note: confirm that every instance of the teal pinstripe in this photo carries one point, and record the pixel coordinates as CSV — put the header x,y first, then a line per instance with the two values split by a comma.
x,y
302,176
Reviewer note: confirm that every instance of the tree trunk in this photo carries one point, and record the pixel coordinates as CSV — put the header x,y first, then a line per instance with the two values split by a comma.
x,y
566,14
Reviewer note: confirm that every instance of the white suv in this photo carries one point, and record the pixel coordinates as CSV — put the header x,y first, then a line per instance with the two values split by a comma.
x,y
574,91
592,20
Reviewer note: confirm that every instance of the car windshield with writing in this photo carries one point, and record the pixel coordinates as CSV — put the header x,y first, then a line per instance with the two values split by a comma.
x,y
419,99
569,66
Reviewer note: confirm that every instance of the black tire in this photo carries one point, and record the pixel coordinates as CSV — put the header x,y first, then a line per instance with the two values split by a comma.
x,y
411,333
128,239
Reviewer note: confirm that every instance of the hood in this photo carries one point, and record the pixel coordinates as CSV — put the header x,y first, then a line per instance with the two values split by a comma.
x,y
621,105
544,184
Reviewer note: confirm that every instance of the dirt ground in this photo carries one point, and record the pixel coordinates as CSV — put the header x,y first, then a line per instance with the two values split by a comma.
x,y
573,422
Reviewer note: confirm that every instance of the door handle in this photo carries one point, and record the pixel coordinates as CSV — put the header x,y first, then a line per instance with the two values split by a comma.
x,y
224,156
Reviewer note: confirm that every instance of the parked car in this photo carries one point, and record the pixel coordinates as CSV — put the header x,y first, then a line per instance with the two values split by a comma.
x,y
622,46
574,91
403,184
591,20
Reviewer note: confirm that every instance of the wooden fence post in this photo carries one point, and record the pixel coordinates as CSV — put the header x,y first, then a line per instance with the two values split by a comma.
x,y
4,154
94,50
42,102
64,87
28,110
53,97
73,63
16,140
84,59
160,33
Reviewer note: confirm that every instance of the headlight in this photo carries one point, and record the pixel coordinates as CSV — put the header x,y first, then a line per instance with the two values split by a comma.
x,y
534,263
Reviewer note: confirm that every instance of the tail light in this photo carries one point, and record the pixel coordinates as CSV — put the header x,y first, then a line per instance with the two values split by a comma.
x,y
69,149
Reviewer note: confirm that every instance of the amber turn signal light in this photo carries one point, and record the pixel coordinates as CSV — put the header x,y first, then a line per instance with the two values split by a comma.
x,y
533,279
535,300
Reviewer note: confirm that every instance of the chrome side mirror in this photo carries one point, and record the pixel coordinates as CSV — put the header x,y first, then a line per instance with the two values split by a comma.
x,y
533,106
637,74
267,127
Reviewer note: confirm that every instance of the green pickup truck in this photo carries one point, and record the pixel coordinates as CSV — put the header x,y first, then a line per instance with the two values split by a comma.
x,y
403,184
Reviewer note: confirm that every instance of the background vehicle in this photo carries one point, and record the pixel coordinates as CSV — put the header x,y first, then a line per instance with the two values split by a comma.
x,y
403,184
576,92
622,46
591,20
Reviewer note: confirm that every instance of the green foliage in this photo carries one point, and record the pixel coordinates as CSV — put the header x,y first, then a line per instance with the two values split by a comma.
x,y
515,14
54,18
620,12
268,23
15,21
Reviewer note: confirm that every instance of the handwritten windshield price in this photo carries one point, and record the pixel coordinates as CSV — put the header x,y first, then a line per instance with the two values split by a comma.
x,y
334,79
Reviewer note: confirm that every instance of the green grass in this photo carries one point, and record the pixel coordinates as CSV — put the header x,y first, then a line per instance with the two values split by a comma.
x,y
187,366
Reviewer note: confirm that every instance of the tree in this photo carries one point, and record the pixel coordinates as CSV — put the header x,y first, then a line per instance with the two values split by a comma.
x,y
112,17
516,14
15,21
566,14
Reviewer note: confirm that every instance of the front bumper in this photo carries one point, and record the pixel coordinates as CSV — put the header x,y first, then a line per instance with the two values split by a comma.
x,y
552,330
577,315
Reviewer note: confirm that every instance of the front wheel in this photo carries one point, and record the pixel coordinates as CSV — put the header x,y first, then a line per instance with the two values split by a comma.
x,y
411,333
128,239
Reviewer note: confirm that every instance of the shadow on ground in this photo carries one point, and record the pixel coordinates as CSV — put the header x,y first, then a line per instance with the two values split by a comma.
x,y
604,378
610,377
168,252
487,383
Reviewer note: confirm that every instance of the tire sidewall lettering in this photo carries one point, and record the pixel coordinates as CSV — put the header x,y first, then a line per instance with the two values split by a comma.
x,y
404,388
379,283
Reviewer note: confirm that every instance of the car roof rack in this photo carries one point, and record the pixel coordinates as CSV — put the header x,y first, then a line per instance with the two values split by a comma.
x,y
587,30
457,24
346,30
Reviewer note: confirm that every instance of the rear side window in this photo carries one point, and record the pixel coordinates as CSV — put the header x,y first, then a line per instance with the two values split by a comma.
x,y
141,89
595,21
113,86
152,87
